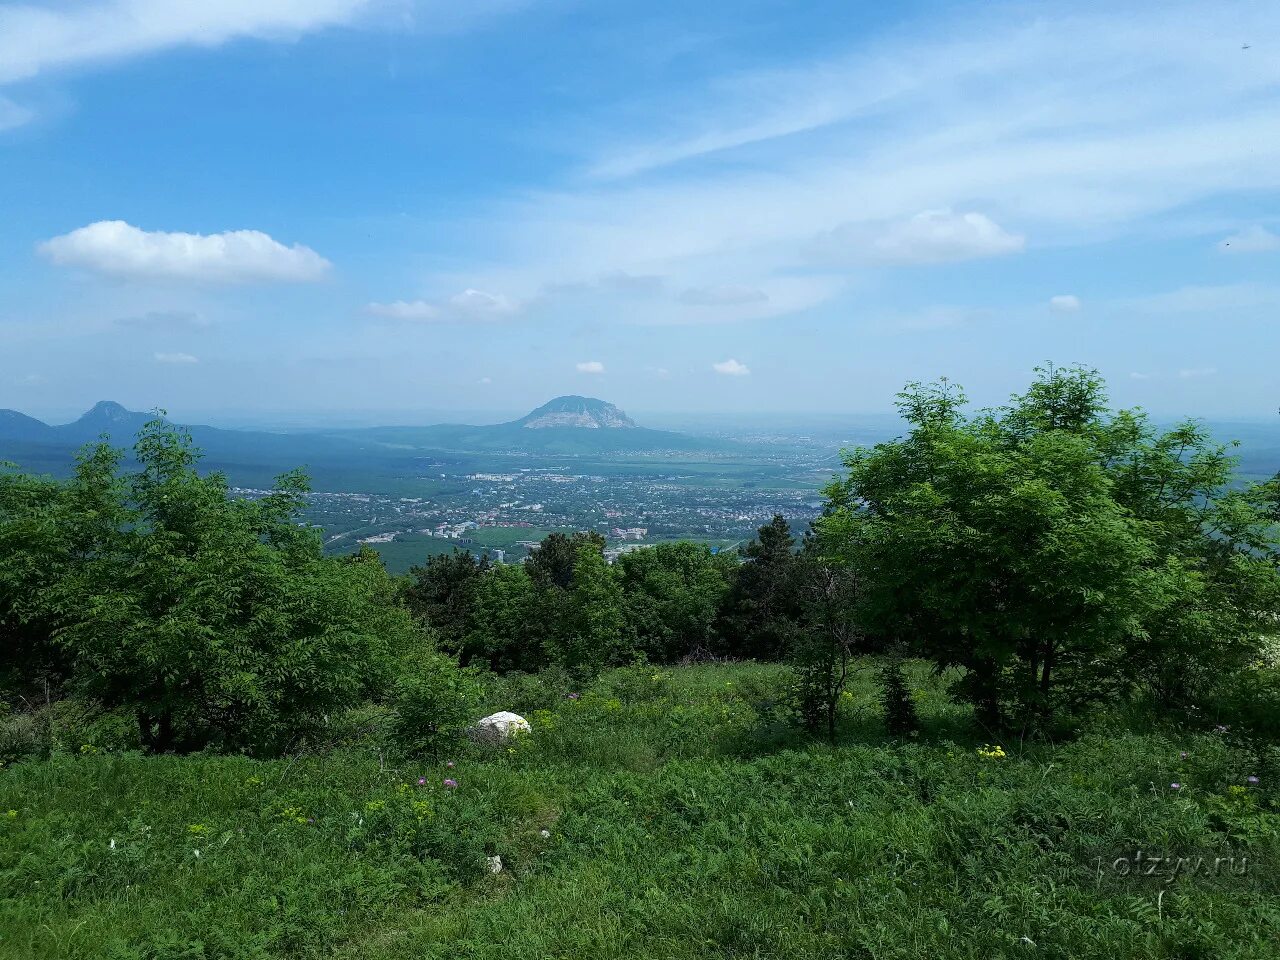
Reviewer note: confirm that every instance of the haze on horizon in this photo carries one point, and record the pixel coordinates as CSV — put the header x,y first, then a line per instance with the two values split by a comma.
x,y
308,208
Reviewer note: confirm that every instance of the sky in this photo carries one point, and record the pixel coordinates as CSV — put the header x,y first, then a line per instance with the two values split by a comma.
x,y
384,208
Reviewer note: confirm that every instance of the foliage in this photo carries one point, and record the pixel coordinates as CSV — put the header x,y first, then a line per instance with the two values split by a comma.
x,y
675,825
674,593
763,604
1060,553
824,638
896,702
442,594
433,701
216,620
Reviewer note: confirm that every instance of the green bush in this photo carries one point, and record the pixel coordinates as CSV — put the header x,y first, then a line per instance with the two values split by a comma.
x,y
433,700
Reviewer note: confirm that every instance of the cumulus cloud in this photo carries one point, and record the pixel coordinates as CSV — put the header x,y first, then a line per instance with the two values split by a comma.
x,y
1255,239
1065,303
116,248
590,366
940,236
480,305
721,296
731,368
175,358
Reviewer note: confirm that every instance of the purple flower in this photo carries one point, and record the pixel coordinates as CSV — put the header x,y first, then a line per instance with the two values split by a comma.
x,y
1175,786
422,781
449,764
1182,755
574,696
451,784
1251,781
1221,728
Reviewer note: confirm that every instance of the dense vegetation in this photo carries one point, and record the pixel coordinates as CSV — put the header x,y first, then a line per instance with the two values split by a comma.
x,y
1019,646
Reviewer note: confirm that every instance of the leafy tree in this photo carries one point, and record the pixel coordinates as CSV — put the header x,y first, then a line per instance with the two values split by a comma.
x,y
1057,551
553,563
442,594
763,604
217,620
824,637
433,701
674,593
896,702
590,635
505,628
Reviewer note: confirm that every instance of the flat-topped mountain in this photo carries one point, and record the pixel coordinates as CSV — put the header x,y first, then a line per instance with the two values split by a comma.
x,y
581,412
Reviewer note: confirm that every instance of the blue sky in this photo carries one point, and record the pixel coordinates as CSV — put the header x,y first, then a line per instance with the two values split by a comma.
x,y
385,207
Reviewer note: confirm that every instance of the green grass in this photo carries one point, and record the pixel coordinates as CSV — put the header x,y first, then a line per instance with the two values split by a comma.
x,y
681,822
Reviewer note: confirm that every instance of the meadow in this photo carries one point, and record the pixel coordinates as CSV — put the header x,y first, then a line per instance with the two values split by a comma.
x,y
655,812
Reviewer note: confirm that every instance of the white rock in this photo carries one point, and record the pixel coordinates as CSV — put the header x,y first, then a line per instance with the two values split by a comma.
x,y
495,864
500,726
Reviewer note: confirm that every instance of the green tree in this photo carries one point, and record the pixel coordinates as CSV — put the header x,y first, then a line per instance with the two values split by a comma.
x,y
763,604
216,620
674,593
441,592
1059,552
505,629
823,638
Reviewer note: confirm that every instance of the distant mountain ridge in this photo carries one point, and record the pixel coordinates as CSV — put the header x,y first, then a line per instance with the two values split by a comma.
x,y
566,425
581,412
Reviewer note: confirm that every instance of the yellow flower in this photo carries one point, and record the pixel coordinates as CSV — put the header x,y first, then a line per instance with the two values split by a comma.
x,y
197,829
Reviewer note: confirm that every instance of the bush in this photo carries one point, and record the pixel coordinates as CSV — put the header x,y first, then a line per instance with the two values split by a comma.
x,y
896,702
434,700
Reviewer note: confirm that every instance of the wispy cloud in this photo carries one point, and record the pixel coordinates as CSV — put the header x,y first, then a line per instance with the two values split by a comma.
x,y
175,358
725,295
1005,128
166,320
590,366
1065,303
1254,239
116,248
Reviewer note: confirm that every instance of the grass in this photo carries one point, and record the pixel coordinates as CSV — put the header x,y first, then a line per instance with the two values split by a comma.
x,y
680,821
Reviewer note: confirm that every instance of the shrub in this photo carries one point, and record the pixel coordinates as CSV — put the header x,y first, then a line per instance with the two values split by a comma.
x,y
433,700
896,702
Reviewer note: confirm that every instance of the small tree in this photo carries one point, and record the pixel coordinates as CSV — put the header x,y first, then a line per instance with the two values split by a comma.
x,y
763,604
896,702
823,639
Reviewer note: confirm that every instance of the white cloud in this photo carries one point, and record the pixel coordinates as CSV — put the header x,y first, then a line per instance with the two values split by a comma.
x,y
404,310
1065,303
1254,239
940,236
477,304
175,358
468,306
1197,372
590,366
116,248
1139,376
724,295
34,40
731,368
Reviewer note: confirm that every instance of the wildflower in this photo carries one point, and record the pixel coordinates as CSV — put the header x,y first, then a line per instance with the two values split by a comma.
x,y
112,844
422,781
11,815
1175,786
1182,755
451,784
450,764
1251,781
1221,728
253,781
544,834
574,696
197,829
991,753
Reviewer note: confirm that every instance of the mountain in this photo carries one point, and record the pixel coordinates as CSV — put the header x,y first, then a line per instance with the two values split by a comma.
x,y
569,425
578,412
106,417
18,426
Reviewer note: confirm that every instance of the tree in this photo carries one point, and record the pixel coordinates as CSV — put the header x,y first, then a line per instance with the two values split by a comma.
x,y
553,563
505,629
217,620
763,603
824,637
1058,552
673,594
442,594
